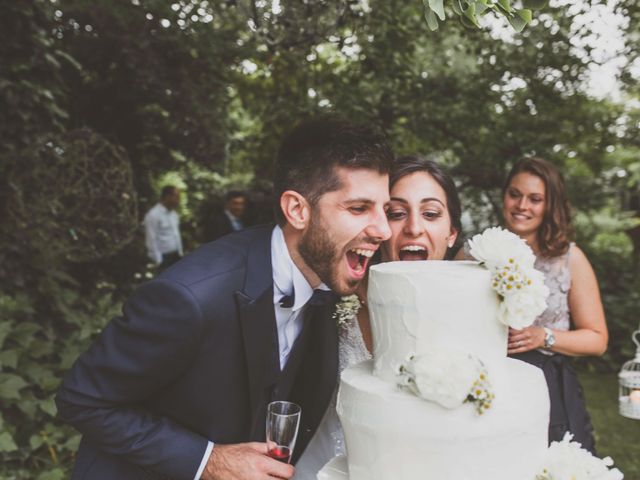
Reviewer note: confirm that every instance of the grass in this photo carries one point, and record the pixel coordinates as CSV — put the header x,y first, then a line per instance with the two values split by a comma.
x,y
616,436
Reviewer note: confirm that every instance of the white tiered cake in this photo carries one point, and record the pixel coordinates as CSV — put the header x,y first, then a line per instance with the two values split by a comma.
x,y
390,433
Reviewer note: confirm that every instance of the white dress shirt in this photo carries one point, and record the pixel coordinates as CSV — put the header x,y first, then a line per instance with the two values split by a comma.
x,y
162,232
236,223
287,281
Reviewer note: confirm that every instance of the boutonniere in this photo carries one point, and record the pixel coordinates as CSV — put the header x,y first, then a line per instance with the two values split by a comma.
x,y
346,309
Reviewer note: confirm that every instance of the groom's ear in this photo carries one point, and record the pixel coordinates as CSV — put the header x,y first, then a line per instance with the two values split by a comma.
x,y
295,209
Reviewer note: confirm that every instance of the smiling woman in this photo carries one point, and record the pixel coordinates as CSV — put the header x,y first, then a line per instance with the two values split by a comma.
x,y
424,212
535,208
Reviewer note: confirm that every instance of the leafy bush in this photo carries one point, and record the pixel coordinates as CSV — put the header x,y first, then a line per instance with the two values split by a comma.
x,y
42,331
603,236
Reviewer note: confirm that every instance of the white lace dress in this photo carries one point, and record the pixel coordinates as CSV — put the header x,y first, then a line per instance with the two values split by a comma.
x,y
328,440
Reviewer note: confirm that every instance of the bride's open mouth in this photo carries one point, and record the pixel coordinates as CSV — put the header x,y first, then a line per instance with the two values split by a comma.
x,y
413,253
358,259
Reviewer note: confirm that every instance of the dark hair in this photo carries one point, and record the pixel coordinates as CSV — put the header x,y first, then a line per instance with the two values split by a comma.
x,y
555,232
231,194
409,164
168,190
308,155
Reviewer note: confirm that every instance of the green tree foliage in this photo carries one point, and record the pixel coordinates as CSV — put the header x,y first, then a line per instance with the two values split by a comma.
x,y
103,102
154,78
471,11
32,92
629,125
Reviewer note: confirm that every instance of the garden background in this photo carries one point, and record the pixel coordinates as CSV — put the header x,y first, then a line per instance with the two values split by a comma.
x,y
102,102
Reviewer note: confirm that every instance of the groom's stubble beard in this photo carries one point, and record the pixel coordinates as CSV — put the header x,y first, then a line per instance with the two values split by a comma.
x,y
318,251
321,254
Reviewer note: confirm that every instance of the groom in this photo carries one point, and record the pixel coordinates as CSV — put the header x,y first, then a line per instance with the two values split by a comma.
x,y
178,386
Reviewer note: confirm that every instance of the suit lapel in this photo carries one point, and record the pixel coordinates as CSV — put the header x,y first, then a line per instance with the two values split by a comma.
x,y
315,375
259,331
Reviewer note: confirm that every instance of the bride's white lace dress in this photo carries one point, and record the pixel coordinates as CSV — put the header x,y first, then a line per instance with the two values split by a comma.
x,y
328,440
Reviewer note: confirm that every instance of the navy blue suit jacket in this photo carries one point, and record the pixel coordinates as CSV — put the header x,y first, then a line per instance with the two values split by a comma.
x,y
194,358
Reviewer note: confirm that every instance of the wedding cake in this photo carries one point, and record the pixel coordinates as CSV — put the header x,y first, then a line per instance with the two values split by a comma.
x,y
441,400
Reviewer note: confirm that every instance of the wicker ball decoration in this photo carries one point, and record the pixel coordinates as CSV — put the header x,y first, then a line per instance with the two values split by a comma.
x,y
73,195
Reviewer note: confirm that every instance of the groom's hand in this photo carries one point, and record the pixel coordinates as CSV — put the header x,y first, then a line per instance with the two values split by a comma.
x,y
246,461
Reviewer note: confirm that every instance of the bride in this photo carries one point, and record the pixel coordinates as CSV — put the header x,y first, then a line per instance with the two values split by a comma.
x,y
424,217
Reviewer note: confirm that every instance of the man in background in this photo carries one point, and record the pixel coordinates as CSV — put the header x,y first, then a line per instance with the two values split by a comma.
x,y
162,229
231,219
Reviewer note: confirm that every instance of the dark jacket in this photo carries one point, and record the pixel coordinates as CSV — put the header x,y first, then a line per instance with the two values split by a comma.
x,y
194,358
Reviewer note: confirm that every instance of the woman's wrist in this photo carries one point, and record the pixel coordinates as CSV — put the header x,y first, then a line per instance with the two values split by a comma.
x,y
548,339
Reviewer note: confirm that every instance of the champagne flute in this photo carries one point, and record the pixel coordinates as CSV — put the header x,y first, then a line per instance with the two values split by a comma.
x,y
283,420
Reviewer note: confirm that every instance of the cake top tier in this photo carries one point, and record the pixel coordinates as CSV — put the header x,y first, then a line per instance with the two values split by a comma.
x,y
415,306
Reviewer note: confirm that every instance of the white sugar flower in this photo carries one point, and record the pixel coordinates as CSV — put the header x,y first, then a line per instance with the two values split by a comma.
x,y
566,460
447,377
522,306
496,247
511,263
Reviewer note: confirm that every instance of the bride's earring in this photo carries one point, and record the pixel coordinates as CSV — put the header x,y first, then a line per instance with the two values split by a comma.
x,y
450,241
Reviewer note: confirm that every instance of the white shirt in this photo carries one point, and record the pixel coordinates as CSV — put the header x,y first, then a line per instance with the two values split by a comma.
x,y
287,280
236,223
162,232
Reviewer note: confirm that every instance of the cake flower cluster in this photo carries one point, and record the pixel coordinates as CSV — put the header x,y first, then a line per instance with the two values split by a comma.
x,y
567,460
346,309
511,263
449,378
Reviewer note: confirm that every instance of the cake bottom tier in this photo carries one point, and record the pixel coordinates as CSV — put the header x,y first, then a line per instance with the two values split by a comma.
x,y
392,434
336,469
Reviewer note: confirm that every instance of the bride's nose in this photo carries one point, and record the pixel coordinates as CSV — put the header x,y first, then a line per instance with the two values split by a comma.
x,y
413,226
